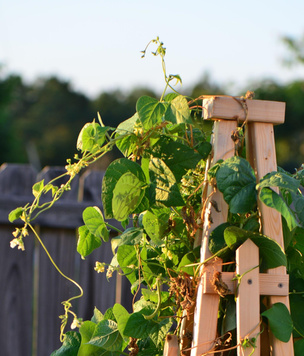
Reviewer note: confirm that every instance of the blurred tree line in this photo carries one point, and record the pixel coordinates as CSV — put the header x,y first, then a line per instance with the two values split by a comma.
x,y
40,122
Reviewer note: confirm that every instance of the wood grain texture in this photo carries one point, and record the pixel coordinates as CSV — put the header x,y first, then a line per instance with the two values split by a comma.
x,y
248,297
205,317
229,108
262,157
53,288
171,346
16,296
269,284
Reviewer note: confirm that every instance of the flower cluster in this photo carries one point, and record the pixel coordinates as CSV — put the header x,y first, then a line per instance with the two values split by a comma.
x,y
18,240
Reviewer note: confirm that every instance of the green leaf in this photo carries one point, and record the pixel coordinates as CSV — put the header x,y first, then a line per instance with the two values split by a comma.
x,y
150,111
87,242
131,236
122,317
15,214
86,331
128,140
113,173
204,148
271,252
127,195
217,241
91,136
109,315
178,111
298,206
155,226
188,259
229,321
275,201
137,326
107,336
170,96
127,126
236,180
127,259
159,331
97,317
298,239
299,347
280,321
70,345
37,188
163,184
150,266
178,157
93,219
297,311
152,296
279,179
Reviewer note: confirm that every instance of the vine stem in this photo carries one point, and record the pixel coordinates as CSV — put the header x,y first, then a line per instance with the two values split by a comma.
x,y
151,316
67,303
55,265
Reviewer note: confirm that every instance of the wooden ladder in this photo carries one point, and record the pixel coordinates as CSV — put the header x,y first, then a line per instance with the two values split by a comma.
x,y
260,118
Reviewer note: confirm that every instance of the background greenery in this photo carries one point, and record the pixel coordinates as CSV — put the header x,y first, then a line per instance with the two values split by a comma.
x,y
40,121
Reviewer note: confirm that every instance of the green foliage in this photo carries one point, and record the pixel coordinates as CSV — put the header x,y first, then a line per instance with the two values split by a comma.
x,y
236,180
280,321
154,191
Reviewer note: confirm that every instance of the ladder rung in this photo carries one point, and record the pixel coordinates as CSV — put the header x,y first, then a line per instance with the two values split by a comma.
x,y
269,284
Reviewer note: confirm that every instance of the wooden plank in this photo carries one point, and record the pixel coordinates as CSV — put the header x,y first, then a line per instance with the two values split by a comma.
x,y
53,288
16,277
16,295
226,107
171,346
268,284
261,155
206,311
248,297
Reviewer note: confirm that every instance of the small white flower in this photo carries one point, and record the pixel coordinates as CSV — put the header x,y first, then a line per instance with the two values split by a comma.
x,y
14,243
76,323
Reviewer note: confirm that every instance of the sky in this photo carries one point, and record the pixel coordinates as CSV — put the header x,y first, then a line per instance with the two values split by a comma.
x,y
96,44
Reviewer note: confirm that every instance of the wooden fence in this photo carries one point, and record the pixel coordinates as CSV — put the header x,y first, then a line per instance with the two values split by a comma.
x,y
31,290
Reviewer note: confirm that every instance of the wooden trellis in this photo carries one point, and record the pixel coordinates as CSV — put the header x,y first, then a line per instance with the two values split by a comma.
x,y
227,113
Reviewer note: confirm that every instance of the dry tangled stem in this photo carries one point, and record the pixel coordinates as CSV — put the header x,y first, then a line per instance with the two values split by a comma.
x,y
183,287
133,347
219,285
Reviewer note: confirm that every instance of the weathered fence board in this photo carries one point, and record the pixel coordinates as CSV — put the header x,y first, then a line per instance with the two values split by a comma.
x,y
31,289
16,294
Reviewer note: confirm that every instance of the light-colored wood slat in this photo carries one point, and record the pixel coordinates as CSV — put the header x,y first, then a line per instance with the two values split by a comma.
x,y
225,107
248,297
206,312
261,155
171,346
268,284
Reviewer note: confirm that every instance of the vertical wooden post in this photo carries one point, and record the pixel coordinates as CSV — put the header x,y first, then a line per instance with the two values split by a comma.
x,y
261,155
205,317
248,297
171,346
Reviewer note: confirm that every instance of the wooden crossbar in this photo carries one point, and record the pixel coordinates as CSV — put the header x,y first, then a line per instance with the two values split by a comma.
x,y
268,284
231,108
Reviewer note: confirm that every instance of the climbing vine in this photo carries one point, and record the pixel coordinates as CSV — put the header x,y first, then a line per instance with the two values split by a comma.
x,y
157,191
